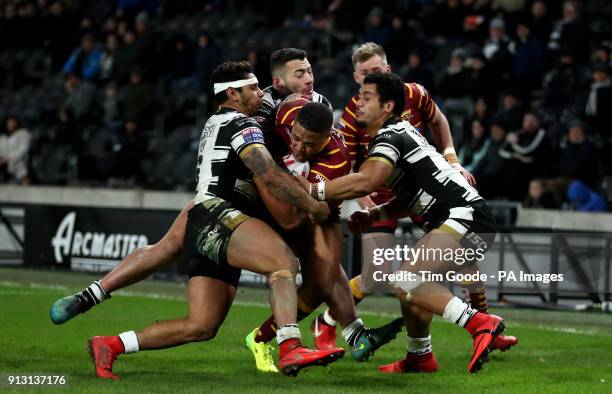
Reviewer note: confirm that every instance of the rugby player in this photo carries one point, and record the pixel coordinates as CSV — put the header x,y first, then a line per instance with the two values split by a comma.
x,y
223,234
318,153
421,111
291,73
424,184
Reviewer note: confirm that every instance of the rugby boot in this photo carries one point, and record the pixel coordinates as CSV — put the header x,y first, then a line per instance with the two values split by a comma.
x,y
484,329
412,363
324,334
504,342
104,352
372,338
262,352
293,356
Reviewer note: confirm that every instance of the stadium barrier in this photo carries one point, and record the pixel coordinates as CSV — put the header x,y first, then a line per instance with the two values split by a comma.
x,y
92,229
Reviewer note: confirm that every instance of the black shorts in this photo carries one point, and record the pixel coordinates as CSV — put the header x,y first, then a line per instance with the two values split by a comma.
x,y
210,225
472,226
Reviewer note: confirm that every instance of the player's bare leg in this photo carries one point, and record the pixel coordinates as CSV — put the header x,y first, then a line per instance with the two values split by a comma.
x,y
435,298
136,266
210,299
256,247
419,355
323,275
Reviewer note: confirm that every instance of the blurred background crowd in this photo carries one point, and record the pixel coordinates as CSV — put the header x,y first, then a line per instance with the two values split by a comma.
x,y
102,93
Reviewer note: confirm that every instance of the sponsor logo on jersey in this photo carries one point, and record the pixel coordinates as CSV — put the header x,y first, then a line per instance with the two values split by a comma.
x,y
252,134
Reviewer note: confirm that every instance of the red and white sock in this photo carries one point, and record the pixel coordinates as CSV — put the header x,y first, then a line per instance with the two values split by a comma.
x,y
130,342
458,312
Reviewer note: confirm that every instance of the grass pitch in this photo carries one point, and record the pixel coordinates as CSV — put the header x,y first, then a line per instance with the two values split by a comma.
x,y
557,352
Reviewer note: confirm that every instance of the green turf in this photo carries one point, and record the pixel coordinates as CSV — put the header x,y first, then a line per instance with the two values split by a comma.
x,y
548,359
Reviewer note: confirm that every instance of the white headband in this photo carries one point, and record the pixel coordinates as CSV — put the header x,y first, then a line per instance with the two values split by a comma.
x,y
222,86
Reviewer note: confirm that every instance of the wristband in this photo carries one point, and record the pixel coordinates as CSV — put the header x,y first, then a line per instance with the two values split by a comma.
x,y
450,155
313,190
321,191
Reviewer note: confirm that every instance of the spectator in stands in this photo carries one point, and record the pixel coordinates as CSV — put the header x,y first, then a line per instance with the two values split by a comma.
x,y
445,21
107,60
484,82
490,167
76,111
139,99
528,154
477,20
60,37
128,56
583,199
475,147
129,8
207,57
545,194
599,104
539,20
79,102
111,107
578,157
10,28
84,61
145,43
601,55
128,152
454,90
110,26
179,58
571,34
416,71
376,30
529,61
14,149
512,110
400,40
564,86
497,52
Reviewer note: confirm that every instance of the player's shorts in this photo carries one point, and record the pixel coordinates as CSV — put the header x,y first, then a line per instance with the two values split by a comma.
x,y
210,225
472,226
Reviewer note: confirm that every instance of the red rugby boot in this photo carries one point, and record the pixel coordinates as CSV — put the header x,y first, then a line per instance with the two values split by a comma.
x,y
104,352
293,356
412,363
484,329
324,334
504,342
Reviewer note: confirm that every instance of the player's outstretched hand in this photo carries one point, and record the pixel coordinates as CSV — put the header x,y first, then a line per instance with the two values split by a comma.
x,y
466,174
321,213
359,221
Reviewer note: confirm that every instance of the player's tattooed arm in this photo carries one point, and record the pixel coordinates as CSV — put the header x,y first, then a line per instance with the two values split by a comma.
x,y
281,183
371,176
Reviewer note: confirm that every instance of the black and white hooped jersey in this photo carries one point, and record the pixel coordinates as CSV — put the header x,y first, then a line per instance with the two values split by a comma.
x,y
226,136
267,112
421,176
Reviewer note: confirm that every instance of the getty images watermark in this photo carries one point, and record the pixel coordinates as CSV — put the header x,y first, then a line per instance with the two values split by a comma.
x,y
389,260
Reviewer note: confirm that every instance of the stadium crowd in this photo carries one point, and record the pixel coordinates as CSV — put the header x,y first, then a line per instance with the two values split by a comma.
x,y
115,94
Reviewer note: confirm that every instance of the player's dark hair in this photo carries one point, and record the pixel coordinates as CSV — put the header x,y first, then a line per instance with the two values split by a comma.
x,y
316,118
390,88
279,58
226,72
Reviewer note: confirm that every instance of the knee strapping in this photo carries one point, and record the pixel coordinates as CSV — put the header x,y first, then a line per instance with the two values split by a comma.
x,y
406,287
282,274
